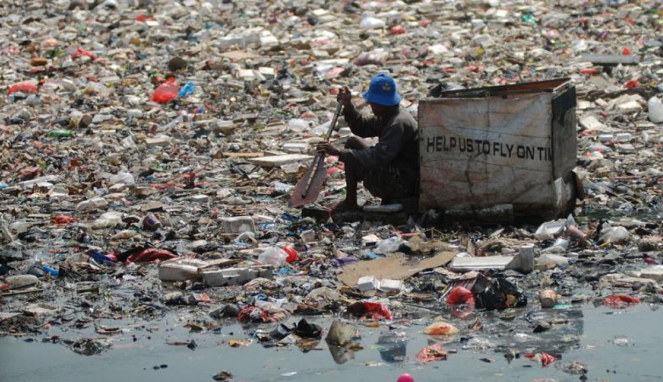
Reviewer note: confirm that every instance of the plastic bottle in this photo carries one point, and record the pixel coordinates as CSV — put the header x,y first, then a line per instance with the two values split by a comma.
x,y
166,92
187,89
655,110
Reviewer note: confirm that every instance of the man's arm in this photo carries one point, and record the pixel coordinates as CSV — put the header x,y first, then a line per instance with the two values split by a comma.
x,y
361,125
385,151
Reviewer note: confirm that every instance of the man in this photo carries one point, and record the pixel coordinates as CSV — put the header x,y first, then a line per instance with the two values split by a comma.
x,y
390,169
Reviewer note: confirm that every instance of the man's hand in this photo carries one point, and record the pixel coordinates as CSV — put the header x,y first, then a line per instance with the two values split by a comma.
x,y
327,148
344,97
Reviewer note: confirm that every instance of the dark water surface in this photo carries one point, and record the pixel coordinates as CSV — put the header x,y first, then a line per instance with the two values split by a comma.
x,y
615,345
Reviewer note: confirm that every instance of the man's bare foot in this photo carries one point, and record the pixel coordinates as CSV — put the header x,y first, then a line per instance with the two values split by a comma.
x,y
346,206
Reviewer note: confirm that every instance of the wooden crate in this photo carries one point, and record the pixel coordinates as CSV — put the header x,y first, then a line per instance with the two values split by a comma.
x,y
513,144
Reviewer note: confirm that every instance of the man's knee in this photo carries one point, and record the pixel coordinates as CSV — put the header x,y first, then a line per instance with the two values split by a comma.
x,y
355,143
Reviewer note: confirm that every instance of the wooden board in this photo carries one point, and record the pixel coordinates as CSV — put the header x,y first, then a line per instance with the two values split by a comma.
x,y
481,152
280,160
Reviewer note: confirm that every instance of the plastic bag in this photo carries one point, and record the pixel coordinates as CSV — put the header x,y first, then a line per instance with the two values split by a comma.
x,y
432,353
23,87
187,89
166,92
498,294
274,256
544,358
618,301
459,296
375,57
372,23
389,245
371,310
441,329
80,52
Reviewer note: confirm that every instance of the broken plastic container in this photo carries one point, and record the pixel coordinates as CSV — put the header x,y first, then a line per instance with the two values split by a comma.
x,y
549,230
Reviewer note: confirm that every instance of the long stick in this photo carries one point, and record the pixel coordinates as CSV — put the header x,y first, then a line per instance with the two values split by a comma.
x,y
317,161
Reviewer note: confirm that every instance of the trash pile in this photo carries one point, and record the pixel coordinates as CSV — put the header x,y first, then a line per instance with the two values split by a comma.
x,y
148,149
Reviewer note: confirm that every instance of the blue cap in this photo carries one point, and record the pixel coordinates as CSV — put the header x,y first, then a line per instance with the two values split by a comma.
x,y
382,91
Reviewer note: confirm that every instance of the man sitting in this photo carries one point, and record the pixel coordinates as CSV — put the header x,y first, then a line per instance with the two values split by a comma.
x,y
389,169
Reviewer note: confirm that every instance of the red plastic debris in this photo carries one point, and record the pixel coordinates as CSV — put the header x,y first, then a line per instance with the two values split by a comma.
x,y
23,87
590,71
80,52
424,23
397,30
544,358
63,219
630,84
626,51
141,18
333,170
475,68
151,254
166,92
264,313
432,353
163,186
460,295
29,173
461,300
620,301
370,310
292,254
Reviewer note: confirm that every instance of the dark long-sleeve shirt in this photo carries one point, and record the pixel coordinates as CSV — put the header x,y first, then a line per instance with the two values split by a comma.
x,y
397,135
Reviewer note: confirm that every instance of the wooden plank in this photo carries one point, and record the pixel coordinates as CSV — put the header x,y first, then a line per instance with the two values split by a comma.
x,y
242,155
280,160
21,291
565,137
238,55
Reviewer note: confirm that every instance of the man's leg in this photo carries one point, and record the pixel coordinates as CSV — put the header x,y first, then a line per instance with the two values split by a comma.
x,y
352,176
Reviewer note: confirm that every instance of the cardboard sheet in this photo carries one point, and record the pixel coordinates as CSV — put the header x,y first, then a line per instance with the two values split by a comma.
x,y
396,267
